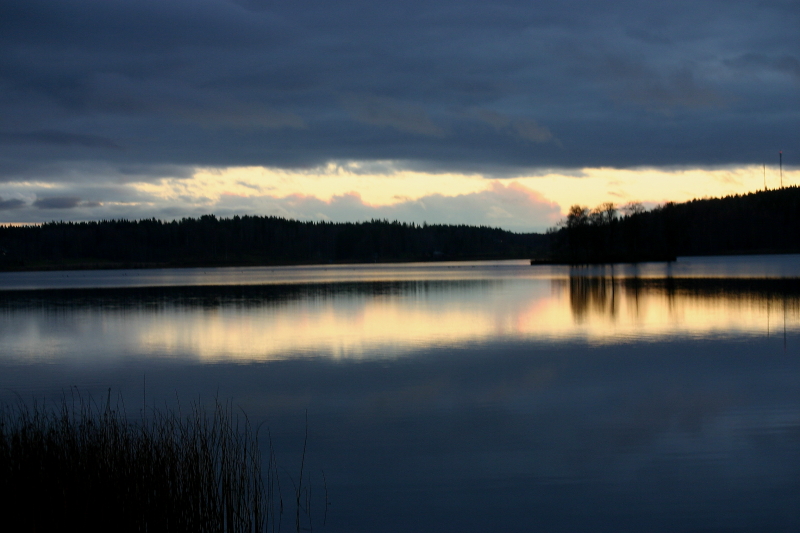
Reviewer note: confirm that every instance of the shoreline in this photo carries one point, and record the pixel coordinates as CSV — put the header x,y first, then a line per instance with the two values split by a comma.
x,y
58,267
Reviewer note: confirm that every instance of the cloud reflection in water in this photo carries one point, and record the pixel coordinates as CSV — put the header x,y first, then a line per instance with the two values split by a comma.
x,y
384,319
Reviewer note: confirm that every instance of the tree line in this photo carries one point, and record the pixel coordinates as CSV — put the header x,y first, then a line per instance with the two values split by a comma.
x,y
251,240
760,222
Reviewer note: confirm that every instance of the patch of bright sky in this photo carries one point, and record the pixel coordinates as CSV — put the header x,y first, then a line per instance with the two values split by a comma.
x,y
384,188
654,186
588,187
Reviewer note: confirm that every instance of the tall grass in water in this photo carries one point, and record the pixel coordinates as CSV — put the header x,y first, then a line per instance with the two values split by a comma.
x,y
81,466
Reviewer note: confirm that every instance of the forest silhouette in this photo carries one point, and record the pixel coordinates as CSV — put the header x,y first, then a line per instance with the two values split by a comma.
x,y
760,222
755,223
251,240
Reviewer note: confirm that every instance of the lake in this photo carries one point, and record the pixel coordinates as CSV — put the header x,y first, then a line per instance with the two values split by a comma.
x,y
458,397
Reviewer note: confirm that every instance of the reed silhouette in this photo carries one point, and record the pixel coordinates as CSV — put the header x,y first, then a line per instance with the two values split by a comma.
x,y
79,465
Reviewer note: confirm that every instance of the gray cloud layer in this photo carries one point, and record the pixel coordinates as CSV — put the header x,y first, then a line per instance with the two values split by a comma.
x,y
497,86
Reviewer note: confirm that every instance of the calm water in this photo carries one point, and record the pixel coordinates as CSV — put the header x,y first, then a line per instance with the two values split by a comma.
x,y
460,396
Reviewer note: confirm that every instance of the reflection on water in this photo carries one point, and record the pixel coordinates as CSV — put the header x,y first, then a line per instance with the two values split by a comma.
x,y
250,276
652,307
383,319
353,320
765,266
471,398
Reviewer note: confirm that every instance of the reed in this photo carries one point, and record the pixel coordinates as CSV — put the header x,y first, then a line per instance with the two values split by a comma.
x,y
79,465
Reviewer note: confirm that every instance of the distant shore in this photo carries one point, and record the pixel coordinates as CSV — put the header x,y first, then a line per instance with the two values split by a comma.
x,y
78,266
251,241
70,266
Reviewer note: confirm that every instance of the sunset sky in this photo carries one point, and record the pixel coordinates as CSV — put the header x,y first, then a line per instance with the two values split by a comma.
x,y
501,113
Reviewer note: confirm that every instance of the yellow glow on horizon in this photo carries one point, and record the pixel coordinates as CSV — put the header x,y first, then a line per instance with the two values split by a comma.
x,y
389,186
333,180
656,186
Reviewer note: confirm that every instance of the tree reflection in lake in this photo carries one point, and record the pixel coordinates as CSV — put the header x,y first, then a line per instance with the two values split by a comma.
x,y
757,305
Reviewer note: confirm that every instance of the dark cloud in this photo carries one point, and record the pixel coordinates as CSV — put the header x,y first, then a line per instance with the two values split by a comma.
x,y
88,172
57,202
402,116
57,138
760,63
11,203
498,87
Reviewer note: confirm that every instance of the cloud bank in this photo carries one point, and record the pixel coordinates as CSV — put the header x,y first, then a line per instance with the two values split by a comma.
x,y
457,85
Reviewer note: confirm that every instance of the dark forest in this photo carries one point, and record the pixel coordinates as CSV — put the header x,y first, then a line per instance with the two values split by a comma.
x,y
251,240
760,222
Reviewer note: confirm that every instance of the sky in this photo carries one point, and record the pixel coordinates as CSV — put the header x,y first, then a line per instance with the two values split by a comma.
x,y
499,113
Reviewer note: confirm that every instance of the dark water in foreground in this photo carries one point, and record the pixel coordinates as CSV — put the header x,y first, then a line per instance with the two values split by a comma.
x,y
460,397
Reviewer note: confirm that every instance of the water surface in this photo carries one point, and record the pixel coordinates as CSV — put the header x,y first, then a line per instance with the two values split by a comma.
x,y
461,396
